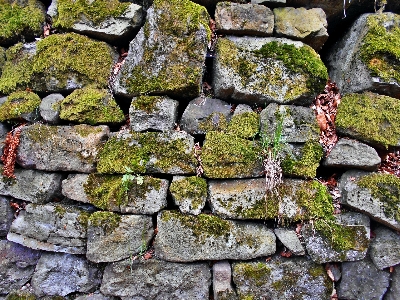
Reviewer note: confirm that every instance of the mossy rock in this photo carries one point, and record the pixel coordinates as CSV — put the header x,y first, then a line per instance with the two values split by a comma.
x,y
20,105
190,193
2,58
20,295
244,125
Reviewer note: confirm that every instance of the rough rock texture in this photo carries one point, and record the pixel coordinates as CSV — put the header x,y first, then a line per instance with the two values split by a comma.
x,y
50,108
153,113
394,290
244,19
222,281
281,279
352,154
189,193
73,187
61,148
6,215
61,274
290,240
20,106
385,248
51,227
4,129
158,280
17,265
185,238
97,295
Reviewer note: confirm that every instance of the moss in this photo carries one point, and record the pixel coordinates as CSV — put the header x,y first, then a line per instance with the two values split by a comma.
x,y
19,103
92,106
214,122
60,210
256,272
71,11
40,133
147,103
245,125
106,220
194,188
84,130
20,295
2,58
386,188
83,218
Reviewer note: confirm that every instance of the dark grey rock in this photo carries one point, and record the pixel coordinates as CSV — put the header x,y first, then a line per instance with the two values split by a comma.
x,y
4,129
290,240
222,281
95,296
50,108
385,248
73,187
189,193
6,215
270,3
394,289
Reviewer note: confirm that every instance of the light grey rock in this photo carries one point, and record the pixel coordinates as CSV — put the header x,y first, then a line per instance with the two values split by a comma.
x,y
394,289
352,154
107,242
244,19
62,274
61,148
189,193
153,113
281,279
362,280
73,187
270,3
50,108
222,281
290,240
17,265
51,227
385,248
95,296
31,185
185,238
6,215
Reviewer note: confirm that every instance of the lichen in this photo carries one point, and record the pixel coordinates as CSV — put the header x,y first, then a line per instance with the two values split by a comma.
x,y
194,188
256,272
214,122
245,125
146,103
108,221
19,103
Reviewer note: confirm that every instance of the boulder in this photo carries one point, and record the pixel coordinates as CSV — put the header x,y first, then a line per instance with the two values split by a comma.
x,y
189,193
222,281
290,240
50,108
385,248
73,187
6,215
20,106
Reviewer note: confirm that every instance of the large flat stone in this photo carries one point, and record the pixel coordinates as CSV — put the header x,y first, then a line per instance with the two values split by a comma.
x,y
385,248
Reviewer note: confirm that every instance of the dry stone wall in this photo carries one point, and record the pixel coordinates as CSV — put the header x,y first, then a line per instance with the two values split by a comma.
x,y
140,133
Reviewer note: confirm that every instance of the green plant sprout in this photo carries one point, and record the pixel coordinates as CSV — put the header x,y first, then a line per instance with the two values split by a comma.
x,y
127,180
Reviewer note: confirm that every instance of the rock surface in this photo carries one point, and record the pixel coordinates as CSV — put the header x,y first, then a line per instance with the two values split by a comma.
x,y
222,281
189,193
72,187
290,240
394,289
385,248
50,108
6,215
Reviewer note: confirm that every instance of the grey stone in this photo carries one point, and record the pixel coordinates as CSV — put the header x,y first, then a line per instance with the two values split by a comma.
x,y
281,279
51,227
306,25
394,289
6,215
290,240
156,279
4,129
185,238
270,3
222,278
31,185
385,248
129,237
62,274
73,187
159,113
17,265
95,296
352,154
244,19
189,193
362,280
50,108
61,148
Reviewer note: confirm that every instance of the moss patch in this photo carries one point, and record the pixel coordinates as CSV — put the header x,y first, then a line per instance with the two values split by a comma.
x,y
20,295
245,125
256,272
214,122
146,103
19,103
193,188
106,220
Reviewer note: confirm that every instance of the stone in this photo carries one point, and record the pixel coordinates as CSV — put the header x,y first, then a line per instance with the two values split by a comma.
x,y
244,19
17,265
258,71
97,295
189,193
385,248
290,240
166,57
6,215
394,289
111,237
185,238
60,274
153,113
362,280
281,279
23,105
31,185
73,187
222,281
270,3
306,25
4,129
351,154
61,148
51,227
158,280
50,108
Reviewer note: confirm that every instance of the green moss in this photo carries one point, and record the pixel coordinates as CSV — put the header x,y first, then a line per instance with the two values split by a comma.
x,y
83,218
371,117
92,106
214,122
20,295
71,11
106,220
147,103
40,133
256,272
19,103
85,130
2,58
194,188
60,210
245,125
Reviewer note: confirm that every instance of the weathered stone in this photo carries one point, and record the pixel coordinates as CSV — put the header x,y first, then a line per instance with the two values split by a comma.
x,y
50,108
394,290
62,274
222,278
156,279
6,215
51,227
95,296
4,129
352,154
189,193
61,148
111,237
30,185
153,113
17,265
306,25
290,240
262,70
385,248
281,279
184,238
73,187
374,282
244,19
23,105
167,55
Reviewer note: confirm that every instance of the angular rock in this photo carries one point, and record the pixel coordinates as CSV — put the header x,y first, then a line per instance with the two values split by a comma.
x,y
352,154
30,185
153,113
385,248
158,280
62,274
185,238
50,108
258,71
281,279
111,237
244,19
394,289
6,215
290,240
222,278
51,227
17,265
22,105
189,193
73,187
306,25
61,148
167,55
